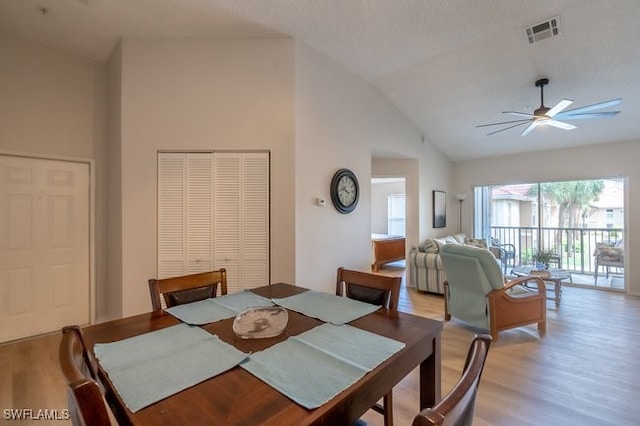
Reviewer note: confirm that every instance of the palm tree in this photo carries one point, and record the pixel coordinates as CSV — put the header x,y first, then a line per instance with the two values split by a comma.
x,y
573,198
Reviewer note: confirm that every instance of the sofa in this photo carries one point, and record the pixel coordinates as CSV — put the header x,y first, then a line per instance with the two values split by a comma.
x,y
426,270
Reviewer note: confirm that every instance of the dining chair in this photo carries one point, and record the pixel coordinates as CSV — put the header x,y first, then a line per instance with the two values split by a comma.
x,y
458,406
87,405
187,288
375,289
369,287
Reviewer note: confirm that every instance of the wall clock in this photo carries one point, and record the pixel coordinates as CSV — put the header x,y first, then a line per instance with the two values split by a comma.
x,y
344,191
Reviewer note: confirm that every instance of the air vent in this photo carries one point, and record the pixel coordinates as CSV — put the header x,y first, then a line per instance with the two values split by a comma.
x,y
544,29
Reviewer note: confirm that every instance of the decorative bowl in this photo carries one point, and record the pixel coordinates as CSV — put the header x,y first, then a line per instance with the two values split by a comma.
x,y
260,322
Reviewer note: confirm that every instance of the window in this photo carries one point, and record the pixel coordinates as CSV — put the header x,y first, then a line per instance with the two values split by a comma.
x,y
396,214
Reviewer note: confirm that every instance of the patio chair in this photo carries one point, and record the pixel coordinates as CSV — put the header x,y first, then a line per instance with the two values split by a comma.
x,y
608,255
505,253
476,292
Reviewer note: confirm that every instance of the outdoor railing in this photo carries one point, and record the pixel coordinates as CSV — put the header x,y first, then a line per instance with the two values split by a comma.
x,y
573,247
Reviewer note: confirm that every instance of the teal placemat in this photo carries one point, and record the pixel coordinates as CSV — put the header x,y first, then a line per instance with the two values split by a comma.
x,y
217,308
147,368
327,307
315,366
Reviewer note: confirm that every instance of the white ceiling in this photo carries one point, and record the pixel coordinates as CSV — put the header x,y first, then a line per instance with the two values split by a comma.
x,y
449,65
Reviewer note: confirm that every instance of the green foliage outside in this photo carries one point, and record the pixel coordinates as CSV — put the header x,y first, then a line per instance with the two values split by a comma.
x,y
573,199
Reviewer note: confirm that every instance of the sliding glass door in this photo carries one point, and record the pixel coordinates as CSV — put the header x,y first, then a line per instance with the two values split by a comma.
x,y
569,220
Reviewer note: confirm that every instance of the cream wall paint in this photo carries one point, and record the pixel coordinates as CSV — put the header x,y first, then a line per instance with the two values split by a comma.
x,y
214,94
52,104
341,121
609,160
113,256
201,94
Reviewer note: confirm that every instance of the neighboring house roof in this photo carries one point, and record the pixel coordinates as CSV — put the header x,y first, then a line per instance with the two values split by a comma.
x,y
612,196
512,192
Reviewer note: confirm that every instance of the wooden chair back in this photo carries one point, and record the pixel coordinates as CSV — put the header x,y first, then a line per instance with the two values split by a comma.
x,y
369,288
87,405
187,288
378,290
458,406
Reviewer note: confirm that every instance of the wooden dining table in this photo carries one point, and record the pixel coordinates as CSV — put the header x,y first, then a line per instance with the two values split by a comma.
x,y
236,397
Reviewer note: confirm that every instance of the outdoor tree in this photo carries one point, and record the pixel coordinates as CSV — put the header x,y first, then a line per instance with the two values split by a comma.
x,y
573,199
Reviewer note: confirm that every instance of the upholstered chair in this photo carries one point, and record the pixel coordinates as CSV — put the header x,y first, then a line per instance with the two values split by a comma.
x,y
477,293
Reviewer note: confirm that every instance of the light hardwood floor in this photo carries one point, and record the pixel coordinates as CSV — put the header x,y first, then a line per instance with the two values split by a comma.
x,y
583,371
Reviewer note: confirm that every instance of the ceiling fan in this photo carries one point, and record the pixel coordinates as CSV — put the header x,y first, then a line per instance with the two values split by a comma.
x,y
555,116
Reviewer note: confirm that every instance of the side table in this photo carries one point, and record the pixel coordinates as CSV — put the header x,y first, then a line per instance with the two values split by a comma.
x,y
554,276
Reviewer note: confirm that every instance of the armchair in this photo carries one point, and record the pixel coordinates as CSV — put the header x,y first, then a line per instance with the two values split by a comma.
x,y
476,292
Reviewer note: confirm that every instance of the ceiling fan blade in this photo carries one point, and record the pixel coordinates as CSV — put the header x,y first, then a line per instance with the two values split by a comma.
x,y
518,114
559,107
588,108
584,115
507,128
530,128
504,122
559,124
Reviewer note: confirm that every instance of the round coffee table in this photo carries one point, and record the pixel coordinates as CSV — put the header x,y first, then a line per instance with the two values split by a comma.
x,y
555,276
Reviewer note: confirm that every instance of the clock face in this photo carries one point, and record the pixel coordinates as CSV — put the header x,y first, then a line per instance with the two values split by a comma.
x,y
344,191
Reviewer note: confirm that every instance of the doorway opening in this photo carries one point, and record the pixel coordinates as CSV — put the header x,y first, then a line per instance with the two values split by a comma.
x,y
388,221
388,214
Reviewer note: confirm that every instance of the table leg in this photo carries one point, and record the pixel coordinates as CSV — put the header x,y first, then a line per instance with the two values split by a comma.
x,y
430,376
558,291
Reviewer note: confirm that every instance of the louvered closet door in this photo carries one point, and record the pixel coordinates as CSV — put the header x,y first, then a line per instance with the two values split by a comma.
x,y
255,220
199,232
184,214
213,212
241,218
227,244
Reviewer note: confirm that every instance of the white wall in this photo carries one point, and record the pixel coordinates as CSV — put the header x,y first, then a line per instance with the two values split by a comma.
x,y
341,121
201,94
52,104
312,114
596,161
113,256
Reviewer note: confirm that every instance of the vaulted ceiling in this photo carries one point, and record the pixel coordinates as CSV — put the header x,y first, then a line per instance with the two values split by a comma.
x,y
448,65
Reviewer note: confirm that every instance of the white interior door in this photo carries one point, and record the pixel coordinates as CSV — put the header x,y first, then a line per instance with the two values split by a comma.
x,y
44,245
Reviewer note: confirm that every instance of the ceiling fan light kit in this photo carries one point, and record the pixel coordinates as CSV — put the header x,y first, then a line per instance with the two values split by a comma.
x,y
555,116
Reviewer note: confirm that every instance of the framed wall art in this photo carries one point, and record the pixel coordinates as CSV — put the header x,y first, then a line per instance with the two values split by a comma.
x,y
439,209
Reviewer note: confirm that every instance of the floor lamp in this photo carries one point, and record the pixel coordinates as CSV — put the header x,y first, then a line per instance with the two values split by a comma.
x,y
460,198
